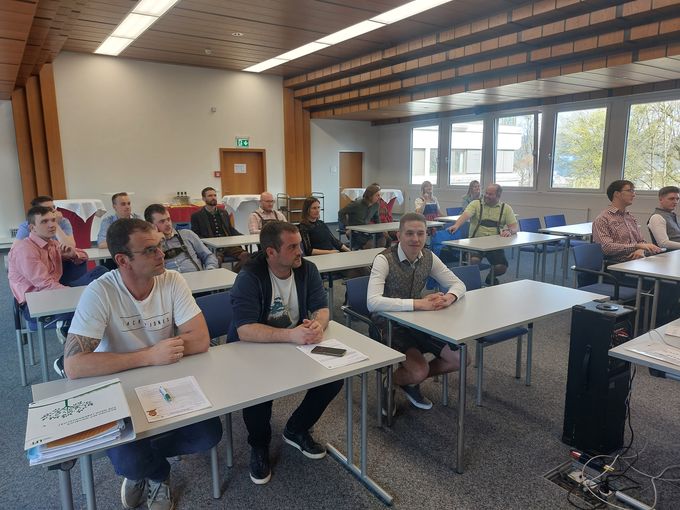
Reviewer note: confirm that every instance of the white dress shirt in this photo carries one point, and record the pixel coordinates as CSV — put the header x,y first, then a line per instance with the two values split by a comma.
x,y
375,300
657,226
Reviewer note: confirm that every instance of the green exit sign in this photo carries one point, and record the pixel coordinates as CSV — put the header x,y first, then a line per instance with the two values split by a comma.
x,y
242,142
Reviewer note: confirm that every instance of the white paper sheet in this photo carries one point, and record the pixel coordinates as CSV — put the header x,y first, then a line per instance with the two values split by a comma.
x,y
331,362
187,397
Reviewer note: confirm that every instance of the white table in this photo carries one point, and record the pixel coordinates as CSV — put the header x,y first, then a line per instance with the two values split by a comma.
x,y
215,243
497,242
449,219
482,312
227,375
379,228
664,266
578,230
53,302
96,254
623,351
327,264
241,206
386,194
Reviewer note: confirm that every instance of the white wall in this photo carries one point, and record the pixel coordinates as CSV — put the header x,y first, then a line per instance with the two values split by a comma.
x,y
12,203
330,137
147,127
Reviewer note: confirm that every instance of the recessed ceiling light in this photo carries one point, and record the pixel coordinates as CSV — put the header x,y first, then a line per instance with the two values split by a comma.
x,y
237,34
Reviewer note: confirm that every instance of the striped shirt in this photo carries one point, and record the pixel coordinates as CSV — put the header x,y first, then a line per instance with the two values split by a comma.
x,y
618,232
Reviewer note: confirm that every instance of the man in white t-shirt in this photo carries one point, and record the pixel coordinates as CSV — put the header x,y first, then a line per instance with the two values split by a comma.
x,y
279,297
126,320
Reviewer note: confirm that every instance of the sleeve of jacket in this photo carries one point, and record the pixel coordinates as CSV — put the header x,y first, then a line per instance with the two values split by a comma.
x,y
227,224
196,224
207,258
246,300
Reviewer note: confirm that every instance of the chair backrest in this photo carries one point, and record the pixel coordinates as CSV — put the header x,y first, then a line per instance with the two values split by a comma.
x,y
530,225
469,275
588,256
216,309
452,211
357,288
554,220
439,237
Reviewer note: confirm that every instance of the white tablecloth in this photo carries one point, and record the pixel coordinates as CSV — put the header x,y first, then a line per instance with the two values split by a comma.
x,y
387,194
241,206
83,207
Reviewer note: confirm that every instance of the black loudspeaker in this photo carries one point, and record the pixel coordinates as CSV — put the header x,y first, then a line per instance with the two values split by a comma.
x,y
597,385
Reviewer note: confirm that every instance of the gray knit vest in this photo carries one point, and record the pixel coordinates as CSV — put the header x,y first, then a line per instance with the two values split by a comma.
x,y
672,227
406,281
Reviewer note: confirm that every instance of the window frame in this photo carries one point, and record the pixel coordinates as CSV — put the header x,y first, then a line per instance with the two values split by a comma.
x,y
497,116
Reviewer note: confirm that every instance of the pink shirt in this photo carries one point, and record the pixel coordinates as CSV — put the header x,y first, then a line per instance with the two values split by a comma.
x,y
35,264
618,233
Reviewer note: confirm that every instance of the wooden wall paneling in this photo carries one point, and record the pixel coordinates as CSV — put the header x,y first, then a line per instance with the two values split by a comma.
x,y
52,135
38,142
24,152
296,146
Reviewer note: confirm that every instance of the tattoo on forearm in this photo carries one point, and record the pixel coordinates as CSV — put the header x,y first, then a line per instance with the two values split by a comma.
x,y
75,344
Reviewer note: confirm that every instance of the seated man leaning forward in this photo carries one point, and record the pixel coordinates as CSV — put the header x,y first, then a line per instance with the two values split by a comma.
x,y
125,320
398,278
279,297
183,249
489,217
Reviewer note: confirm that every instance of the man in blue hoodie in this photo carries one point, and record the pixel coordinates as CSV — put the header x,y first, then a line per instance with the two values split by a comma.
x,y
279,297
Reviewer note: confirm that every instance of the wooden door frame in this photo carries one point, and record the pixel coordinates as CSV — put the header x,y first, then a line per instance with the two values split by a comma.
x,y
262,152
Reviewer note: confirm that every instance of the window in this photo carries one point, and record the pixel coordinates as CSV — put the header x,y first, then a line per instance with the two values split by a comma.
x,y
579,145
516,139
424,154
466,152
653,145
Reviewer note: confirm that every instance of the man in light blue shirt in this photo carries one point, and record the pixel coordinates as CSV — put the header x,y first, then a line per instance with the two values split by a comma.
x,y
123,209
183,249
64,234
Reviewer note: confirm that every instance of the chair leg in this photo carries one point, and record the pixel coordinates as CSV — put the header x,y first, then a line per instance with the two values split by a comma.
x,y
530,341
555,266
228,439
480,371
445,389
519,253
22,361
518,358
215,472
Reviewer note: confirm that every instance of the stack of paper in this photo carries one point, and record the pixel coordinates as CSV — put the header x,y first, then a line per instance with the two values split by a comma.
x,y
352,356
171,398
70,424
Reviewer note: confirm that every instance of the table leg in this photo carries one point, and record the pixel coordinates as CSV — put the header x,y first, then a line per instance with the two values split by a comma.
x,y
390,397
530,343
347,461
655,302
65,490
330,294
638,302
565,260
43,350
492,275
88,481
462,377
543,261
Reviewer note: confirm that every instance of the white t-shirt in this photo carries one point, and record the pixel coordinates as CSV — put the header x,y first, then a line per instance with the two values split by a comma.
x,y
284,311
108,311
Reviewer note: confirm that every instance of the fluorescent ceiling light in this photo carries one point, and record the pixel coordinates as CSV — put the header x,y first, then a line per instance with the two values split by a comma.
x,y
303,50
407,10
133,26
350,32
113,46
267,64
154,7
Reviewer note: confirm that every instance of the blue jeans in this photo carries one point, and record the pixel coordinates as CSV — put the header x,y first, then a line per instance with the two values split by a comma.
x,y
146,458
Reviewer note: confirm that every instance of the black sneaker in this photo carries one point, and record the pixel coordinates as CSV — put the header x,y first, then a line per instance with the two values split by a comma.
x,y
487,280
384,399
62,330
260,472
305,443
59,367
416,397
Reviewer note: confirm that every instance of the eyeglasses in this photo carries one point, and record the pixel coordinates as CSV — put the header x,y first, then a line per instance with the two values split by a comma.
x,y
149,251
631,190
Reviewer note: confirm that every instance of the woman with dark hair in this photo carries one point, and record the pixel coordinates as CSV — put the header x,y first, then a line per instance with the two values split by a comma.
x,y
317,239
473,193
361,212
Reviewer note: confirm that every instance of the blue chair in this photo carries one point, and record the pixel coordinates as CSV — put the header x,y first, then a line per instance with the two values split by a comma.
x,y
447,254
591,277
216,309
453,211
534,225
471,277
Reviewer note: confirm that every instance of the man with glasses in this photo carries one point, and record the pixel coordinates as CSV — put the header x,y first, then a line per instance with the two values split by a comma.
x,y
617,231
183,249
264,214
125,320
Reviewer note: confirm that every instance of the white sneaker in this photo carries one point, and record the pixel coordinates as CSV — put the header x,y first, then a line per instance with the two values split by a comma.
x,y
159,497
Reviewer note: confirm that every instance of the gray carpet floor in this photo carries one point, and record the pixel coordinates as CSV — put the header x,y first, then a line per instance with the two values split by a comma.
x,y
511,442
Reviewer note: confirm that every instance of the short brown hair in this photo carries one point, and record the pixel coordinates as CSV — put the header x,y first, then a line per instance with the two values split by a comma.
x,y
617,186
37,210
118,234
370,191
117,195
668,189
270,235
205,190
412,216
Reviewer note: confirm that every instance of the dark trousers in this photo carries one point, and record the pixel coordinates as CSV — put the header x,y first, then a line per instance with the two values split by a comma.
x,y
258,417
147,458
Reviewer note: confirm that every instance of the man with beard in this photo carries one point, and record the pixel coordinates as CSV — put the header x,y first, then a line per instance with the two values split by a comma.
x,y
279,297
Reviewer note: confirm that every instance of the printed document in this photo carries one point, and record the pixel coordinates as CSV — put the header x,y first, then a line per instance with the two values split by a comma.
x,y
171,398
351,356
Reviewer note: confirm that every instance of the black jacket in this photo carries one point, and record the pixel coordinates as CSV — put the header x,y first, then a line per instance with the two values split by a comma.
x,y
200,223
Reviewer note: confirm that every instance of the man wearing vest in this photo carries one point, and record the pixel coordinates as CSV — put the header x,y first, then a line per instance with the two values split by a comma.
x,y
264,214
183,249
489,217
663,224
397,281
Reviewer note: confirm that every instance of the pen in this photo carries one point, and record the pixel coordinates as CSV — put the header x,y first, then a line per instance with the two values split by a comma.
x,y
165,394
